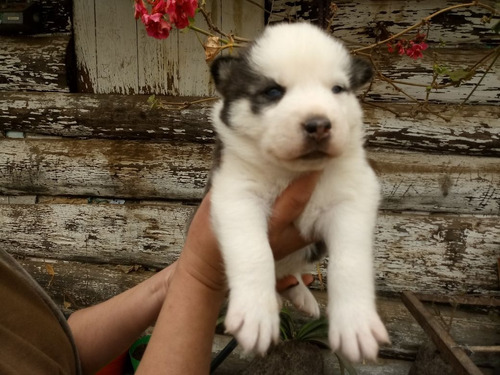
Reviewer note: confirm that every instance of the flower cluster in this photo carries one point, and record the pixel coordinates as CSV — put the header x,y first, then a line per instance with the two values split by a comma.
x,y
411,48
164,15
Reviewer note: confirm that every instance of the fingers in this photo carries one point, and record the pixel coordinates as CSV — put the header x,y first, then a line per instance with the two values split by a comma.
x,y
290,204
283,235
290,281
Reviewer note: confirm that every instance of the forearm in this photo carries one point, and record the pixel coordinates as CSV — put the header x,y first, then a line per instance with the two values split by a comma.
x,y
182,338
104,331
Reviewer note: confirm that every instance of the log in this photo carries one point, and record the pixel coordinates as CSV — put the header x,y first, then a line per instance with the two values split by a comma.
x,y
437,183
421,253
105,116
363,21
474,130
142,170
33,63
104,168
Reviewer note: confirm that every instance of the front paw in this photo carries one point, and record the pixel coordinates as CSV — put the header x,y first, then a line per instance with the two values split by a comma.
x,y
254,321
356,332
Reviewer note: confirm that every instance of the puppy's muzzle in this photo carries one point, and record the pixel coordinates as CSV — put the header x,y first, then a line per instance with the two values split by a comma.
x,y
317,128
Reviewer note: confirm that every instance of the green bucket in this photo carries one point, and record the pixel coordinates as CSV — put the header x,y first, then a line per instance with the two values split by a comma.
x,y
140,346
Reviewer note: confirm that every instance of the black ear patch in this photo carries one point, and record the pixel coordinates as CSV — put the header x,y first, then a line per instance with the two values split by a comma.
x,y
361,72
223,70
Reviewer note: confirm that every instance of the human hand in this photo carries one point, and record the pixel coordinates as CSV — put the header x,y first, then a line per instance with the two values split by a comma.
x,y
182,338
201,249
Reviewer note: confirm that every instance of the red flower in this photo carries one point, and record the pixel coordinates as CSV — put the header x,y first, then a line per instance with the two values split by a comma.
x,y
415,50
160,6
156,26
180,11
400,45
140,9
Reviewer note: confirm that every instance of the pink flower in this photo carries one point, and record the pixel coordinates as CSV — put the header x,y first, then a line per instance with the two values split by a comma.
x,y
140,9
180,11
160,6
156,26
415,50
400,45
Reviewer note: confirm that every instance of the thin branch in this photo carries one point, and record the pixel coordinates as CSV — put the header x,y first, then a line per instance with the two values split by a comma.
x,y
481,79
424,21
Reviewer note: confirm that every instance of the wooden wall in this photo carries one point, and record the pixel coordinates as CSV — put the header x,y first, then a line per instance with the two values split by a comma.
x,y
95,190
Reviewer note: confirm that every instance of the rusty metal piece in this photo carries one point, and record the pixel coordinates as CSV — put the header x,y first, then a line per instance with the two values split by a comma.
x,y
449,349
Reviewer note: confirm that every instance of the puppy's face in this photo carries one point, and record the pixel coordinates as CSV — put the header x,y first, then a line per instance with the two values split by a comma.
x,y
292,95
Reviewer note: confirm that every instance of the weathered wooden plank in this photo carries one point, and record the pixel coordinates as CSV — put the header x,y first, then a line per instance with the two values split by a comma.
x,y
104,168
430,254
85,45
442,249
414,76
446,345
98,233
33,63
116,47
140,170
131,62
105,116
361,21
473,130
83,284
438,183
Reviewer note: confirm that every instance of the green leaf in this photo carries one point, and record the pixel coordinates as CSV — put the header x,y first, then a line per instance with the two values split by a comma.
x,y
315,329
153,102
287,326
496,27
440,69
345,365
460,75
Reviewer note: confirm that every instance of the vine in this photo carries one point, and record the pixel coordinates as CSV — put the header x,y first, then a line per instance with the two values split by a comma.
x,y
410,42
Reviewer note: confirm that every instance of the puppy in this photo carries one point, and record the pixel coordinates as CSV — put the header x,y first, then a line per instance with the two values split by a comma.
x,y
288,107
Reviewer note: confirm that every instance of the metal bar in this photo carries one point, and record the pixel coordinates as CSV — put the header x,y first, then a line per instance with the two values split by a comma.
x,y
449,349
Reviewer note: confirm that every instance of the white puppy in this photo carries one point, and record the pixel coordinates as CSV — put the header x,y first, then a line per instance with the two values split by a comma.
x,y
288,107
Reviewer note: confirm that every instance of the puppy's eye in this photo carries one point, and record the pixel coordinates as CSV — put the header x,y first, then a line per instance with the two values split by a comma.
x,y
338,89
274,93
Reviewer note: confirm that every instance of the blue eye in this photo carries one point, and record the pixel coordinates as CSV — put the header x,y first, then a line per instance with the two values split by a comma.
x,y
338,89
274,93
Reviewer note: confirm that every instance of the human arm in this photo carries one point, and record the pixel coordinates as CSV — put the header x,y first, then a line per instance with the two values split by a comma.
x,y
182,338
183,335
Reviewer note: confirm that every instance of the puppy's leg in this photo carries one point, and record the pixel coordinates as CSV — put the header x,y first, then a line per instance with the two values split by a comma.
x,y
240,222
354,325
302,298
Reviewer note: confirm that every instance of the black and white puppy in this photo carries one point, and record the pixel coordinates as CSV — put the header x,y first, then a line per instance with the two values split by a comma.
x,y
288,107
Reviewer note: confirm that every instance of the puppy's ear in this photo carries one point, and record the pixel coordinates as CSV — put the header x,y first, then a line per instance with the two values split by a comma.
x,y
361,72
222,69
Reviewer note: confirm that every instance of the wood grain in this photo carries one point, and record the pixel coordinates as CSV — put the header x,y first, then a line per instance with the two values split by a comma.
x,y
361,21
473,130
23,70
435,254
161,170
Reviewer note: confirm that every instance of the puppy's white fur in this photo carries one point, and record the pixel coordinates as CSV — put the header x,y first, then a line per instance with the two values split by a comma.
x,y
265,147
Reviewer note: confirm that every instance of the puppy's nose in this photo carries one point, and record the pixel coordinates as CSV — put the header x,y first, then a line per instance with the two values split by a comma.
x,y
317,127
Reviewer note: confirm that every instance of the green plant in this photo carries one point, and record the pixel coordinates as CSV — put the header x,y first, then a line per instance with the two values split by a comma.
x,y
315,332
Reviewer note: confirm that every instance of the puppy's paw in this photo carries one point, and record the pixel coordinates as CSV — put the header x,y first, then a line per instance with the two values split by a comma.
x,y
302,299
254,321
356,332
